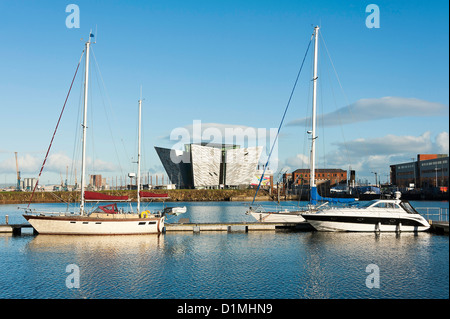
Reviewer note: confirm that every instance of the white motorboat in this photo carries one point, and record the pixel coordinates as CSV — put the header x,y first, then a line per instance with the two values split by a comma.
x,y
107,219
383,215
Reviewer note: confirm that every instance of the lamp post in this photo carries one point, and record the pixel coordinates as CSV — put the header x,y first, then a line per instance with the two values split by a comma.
x,y
436,169
376,179
414,165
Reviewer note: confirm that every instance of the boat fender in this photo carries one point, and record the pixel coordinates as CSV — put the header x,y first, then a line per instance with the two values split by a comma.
x,y
144,214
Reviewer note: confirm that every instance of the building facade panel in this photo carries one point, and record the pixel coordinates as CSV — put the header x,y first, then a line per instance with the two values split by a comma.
x,y
205,165
240,165
434,172
177,165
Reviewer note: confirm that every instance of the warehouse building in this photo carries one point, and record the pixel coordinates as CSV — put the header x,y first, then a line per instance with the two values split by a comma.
x,y
429,170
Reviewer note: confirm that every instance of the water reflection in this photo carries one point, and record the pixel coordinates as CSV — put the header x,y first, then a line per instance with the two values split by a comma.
x,y
265,264
110,266
335,263
104,244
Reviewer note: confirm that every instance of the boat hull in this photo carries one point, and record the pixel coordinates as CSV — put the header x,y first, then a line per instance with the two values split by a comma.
x,y
358,223
275,217
65,225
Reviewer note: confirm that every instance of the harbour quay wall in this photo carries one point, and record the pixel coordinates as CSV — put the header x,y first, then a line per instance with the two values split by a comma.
x,y
176,195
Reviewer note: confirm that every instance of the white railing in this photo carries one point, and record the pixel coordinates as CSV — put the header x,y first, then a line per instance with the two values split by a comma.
x,y
434,213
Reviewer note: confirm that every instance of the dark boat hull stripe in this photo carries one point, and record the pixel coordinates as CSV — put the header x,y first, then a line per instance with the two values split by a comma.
x,y
365,220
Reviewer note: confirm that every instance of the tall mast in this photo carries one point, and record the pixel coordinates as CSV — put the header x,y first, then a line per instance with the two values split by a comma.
x,y
313,132
84,125
139,159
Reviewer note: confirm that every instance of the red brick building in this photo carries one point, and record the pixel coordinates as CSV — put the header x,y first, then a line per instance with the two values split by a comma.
x,y
334,176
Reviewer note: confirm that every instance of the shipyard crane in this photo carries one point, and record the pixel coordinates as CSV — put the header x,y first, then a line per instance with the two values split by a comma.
x,y
18,173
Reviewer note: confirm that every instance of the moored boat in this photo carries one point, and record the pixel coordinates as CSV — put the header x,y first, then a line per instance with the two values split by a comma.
x,y
383,215
106,219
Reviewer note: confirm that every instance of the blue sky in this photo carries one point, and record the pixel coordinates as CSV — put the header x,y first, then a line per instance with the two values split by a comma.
x,y
226,64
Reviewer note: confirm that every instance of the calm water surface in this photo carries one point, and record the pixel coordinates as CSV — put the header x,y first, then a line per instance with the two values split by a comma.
x,y
223,265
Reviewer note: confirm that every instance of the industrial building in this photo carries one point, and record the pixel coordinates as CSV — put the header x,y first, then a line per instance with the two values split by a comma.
x,y
28,184
333,176
429,170
96,181
208,165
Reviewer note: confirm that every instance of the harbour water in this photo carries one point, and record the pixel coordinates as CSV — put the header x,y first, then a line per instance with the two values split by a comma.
x,y
216,265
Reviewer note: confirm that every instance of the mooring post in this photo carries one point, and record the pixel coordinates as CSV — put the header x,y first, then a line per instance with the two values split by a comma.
x,y
6,219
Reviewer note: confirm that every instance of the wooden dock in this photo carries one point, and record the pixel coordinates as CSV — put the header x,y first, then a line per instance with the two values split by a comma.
x,y
236,227
437,227
15,229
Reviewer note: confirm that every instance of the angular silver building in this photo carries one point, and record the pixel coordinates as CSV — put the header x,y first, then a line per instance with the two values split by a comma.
x,y
241,164
208,165
177,166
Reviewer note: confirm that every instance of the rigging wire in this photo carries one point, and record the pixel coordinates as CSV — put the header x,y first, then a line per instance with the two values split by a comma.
x,y
334,97
282,120
305,130
56,128
76,152
100,77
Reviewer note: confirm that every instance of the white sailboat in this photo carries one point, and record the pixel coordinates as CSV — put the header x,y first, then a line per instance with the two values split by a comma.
x,y
295,215
106,219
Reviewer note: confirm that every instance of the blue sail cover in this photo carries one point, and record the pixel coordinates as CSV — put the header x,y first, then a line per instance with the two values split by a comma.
x,y
315,197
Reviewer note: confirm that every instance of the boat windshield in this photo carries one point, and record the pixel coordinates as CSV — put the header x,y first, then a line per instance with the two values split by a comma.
x,y
408,207
367,204
381,204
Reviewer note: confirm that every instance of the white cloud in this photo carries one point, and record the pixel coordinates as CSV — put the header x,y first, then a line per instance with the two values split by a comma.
x,y
298,161
442,143
101,165
27,164
56,163
375,155
376,109
388,145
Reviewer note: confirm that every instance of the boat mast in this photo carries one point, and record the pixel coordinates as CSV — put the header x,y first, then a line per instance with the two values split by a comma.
x,y
84,125
139,159
313,132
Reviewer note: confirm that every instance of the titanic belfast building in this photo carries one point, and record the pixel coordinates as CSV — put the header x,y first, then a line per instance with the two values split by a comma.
x,y
208,165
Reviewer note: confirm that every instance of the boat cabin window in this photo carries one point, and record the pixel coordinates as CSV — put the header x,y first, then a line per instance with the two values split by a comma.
x,y
386,205
368,204
408,207
381,204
